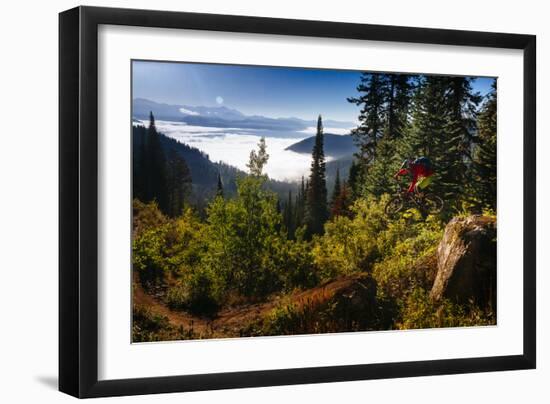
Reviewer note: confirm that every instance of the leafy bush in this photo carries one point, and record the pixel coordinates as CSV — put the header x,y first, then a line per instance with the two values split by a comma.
x,y
199,292
419,311
145,216
244,239
351,245
408,251
371,242
294,263
171,247
185,243
149,258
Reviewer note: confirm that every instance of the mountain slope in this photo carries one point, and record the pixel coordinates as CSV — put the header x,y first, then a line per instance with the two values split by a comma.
x,y
335,146
204,172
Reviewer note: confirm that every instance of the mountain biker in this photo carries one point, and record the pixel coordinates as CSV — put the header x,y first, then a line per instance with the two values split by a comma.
x,y
421,171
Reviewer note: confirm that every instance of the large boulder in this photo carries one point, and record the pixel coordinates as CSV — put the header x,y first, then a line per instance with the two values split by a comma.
x,y
467,262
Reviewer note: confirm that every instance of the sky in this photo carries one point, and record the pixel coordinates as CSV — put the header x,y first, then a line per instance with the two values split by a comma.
x,y
274,92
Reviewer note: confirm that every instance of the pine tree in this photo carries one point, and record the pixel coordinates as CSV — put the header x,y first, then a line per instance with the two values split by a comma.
x,y
384,119
159,173
289,217
219,186
398,91
428,135
345,201
178,184
443,130
154,167
337,188
139,162
463,106
371,117
354,180
342,202
485,154
461,133
299,210
316,195
399,100
428,119
379,179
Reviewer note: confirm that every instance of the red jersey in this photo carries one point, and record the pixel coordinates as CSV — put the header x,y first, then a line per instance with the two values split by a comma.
x,y
417,171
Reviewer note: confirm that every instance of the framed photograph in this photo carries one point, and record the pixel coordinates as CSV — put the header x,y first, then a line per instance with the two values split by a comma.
x,y
252,202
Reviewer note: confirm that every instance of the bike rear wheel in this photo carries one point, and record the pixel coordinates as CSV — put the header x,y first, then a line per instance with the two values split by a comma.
x,y
394,205
433,203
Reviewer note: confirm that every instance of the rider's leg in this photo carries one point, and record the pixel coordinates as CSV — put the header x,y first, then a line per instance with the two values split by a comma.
x,y
412,187
422,184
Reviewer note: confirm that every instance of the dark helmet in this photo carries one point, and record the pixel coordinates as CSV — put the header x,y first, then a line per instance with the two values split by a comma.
x,y
406,163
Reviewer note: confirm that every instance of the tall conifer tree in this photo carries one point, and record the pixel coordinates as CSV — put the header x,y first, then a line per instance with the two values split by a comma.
x,y
371,99
443,130
299,210
354,182
337,188
155,162
385,100
485,154
289,217
178,184
316,194
219,186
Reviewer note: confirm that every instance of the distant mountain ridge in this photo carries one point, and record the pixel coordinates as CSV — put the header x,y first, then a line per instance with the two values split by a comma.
x,y
224,117
335,146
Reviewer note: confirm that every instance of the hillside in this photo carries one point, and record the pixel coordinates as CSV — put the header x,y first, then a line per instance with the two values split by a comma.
x,y
335,146
204,172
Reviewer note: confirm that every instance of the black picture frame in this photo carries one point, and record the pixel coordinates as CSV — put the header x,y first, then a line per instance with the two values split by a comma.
x,y
78,201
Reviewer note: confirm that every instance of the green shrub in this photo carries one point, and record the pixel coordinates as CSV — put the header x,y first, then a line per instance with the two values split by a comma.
x,y
244,239
184,244
419,311
173,247
199,292
408,255
351,244
294,263
372,242
148,256
145,216
285,319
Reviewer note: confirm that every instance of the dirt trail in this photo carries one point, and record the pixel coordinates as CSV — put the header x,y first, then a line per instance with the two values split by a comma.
x,y
176,318
230,320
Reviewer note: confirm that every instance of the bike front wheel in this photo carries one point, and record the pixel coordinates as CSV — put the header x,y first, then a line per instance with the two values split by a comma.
x,y
394,205
433,203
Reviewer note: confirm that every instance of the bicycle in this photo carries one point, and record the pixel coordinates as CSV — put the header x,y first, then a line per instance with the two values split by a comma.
x,y
426,203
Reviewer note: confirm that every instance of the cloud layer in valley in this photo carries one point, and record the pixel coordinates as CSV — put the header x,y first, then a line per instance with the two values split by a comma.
x,y
233,146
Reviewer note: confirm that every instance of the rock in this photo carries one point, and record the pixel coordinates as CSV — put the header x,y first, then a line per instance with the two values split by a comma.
x,y
345,304
359,294
354,305
466,262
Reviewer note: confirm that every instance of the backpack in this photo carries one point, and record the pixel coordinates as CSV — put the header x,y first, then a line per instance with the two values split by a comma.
x,y
426,162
